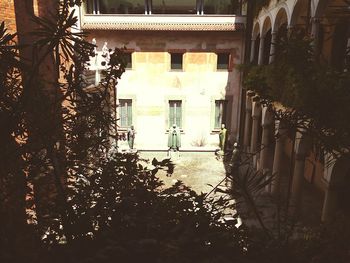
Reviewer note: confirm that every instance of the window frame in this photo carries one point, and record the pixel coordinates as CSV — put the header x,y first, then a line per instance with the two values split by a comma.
x,y
223,118
229,61
129,53
173,53
121,126
173,119
167,123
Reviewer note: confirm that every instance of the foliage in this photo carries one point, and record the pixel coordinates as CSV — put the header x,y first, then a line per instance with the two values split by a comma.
x,y
89,203
59,159
314,95
123,212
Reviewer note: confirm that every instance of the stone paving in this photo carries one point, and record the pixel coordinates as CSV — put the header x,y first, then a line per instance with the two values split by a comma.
x,y
197,170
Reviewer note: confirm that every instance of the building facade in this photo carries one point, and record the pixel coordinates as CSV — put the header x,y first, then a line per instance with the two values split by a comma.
x,y
182,66
327,23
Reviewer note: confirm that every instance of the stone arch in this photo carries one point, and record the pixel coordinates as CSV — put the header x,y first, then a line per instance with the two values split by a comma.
x,y
319,7
281,18
266,25
339,169
337,194
256,30
266,38
299,13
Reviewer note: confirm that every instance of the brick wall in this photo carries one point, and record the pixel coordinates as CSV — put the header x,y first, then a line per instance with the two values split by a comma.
x,y
7,14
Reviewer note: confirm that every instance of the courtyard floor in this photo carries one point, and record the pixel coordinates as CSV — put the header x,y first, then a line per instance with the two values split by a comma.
x,y
197,170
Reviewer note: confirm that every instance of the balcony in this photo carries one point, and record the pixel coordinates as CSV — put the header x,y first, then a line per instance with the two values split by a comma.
x,y
162,22
174,16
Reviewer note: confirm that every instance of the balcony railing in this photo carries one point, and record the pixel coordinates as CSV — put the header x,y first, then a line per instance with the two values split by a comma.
x,y
169,15
163,22
199,7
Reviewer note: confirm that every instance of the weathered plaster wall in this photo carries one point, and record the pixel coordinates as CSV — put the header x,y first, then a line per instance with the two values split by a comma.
x,y
151,83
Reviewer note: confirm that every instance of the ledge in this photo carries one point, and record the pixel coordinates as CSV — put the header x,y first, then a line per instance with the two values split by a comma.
x,y
163,22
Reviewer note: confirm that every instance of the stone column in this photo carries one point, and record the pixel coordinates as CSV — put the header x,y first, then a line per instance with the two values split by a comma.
x,y
261,50
252,50
329,204
297,183
248,120
277,162
256,111
266,147
315,28
273,46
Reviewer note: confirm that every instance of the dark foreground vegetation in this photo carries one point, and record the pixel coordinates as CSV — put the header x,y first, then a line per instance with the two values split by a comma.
x,y
66,195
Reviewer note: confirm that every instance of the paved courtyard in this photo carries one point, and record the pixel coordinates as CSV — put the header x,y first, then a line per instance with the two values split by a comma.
x,y
197,170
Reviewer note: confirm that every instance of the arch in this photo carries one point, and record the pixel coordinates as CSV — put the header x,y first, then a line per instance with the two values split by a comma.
x,y
340,170
256,49
319,7
256,30
281,18
299,13
266,26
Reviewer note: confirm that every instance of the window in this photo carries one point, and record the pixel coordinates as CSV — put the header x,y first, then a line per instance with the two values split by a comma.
x,y
121,6
223,61
220,113
176,61
221,7
174,7
125,112
128,60
175,113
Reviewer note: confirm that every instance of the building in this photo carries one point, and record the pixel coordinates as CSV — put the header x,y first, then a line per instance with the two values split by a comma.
x,y
328,24
182,66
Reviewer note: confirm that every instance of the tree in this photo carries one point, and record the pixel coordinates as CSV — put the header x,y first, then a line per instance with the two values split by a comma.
x,y
59,139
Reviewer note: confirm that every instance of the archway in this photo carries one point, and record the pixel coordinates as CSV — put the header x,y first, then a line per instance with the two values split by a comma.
x,y
300,18
266,35
256,43
337,193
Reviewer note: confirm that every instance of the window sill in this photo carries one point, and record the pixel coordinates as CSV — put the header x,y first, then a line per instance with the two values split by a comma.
x,y
215,131
181,131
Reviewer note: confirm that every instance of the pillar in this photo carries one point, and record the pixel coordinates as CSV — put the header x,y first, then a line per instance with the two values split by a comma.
x,y
261,50
273,46
248,120
297,183
256,111
266,143
252,50
277,162
315,28
329,204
